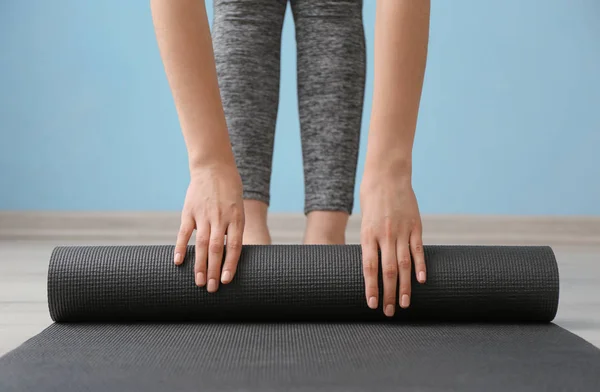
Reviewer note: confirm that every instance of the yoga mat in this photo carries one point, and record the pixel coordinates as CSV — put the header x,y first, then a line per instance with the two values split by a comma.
x,y
295,318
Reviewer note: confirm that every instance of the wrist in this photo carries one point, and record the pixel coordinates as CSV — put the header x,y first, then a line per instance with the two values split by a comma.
x,y
393,162
200,162
395,174
389,148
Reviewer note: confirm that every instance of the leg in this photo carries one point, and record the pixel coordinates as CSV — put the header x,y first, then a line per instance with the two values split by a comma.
x,y
247,41
331,82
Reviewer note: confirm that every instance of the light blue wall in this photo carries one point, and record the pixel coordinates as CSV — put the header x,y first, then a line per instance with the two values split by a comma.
x,y
510,119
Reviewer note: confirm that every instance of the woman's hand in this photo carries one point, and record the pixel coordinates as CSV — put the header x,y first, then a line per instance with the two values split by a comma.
x,y
391,219
214,207
391,223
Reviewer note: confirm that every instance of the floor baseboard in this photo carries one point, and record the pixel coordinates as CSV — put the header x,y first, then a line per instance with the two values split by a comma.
x,y
161,227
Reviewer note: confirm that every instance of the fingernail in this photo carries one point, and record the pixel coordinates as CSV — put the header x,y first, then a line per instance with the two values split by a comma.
x,y
212,285
422,276
372,303
405,301
177,258
200,280
226,277
389,310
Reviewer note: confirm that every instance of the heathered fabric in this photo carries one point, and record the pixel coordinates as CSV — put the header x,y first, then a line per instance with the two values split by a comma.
x,y
331,69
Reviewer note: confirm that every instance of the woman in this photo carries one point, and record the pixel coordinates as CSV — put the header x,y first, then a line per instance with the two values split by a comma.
x,y
226,95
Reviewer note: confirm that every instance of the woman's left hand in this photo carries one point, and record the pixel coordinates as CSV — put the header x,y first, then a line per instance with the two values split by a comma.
x,y
391,222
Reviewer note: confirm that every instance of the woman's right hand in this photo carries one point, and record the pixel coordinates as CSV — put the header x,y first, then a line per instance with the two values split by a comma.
x,y
214,207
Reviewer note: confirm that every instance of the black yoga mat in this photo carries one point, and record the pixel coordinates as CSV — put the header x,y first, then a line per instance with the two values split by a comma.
x,y
295,319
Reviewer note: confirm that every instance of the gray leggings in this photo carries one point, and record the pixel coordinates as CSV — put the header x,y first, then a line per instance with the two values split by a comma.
x,y
331,80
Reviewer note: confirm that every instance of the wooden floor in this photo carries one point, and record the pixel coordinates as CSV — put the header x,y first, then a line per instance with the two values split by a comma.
x,y
24,312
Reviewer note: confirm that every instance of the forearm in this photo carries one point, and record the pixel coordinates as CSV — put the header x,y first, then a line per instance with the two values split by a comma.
x,y
401,39
184,41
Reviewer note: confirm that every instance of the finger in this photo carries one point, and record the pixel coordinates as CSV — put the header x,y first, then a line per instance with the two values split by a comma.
x,y
370,262
183,237
418,255
404,266
202,240
389,270
215,257
234,249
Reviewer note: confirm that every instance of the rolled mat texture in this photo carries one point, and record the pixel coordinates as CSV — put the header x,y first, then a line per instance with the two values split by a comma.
x,y
302,283
295,318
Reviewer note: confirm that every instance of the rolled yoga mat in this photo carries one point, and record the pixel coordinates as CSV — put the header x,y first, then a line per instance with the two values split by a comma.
x,y
295,319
